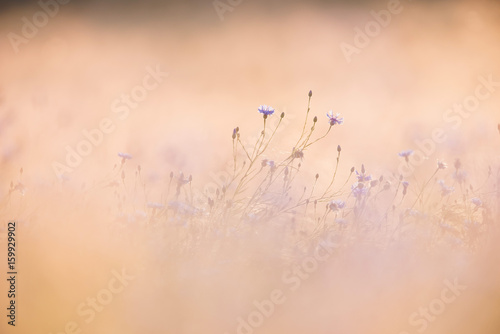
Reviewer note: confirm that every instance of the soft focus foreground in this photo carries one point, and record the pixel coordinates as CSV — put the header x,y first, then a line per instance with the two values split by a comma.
x,y
153,197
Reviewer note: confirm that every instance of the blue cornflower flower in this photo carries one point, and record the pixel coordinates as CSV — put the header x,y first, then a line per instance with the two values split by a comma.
x,y
266,110
405,154
336,205
359,190
334,119
362,177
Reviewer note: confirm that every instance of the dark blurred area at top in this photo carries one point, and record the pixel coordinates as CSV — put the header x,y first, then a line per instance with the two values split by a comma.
x,y
193,4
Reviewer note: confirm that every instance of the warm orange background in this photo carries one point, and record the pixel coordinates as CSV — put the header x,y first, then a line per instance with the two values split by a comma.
x,y
393,93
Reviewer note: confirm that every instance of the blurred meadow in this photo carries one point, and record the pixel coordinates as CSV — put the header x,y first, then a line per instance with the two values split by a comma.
x,y
172,167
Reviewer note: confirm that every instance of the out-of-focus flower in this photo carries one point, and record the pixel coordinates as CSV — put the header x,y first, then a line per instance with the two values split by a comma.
x,y
269,163
362,177
266,110
334,119
406,154
441,164
336,205
445,190
298,154
154,205
476,201
124,156
405,186
359,190
341,221
447,227
460,176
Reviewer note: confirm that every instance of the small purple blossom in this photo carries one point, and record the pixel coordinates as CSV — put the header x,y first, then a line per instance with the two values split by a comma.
x,y
405,187
298,154
445,190
476,201
441,164
334,119
269,163
359,190
336,205
362,177
125,156
406,154
266,110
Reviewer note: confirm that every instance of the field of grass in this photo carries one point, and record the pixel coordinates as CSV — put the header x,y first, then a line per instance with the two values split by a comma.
x,y
172,172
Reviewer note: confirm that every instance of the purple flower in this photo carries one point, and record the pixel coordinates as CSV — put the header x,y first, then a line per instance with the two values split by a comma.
x,y
269,163
125,156
441,164
266,110
298,154
334,119
336,205
445,190
359,190
476,201
362,177
405,154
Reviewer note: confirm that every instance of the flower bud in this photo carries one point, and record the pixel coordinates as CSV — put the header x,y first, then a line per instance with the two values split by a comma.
x,y
339,148
315,119
282,115
311,94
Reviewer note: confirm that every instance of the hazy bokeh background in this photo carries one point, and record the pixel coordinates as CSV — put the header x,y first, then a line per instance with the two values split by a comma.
x,y
394,92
